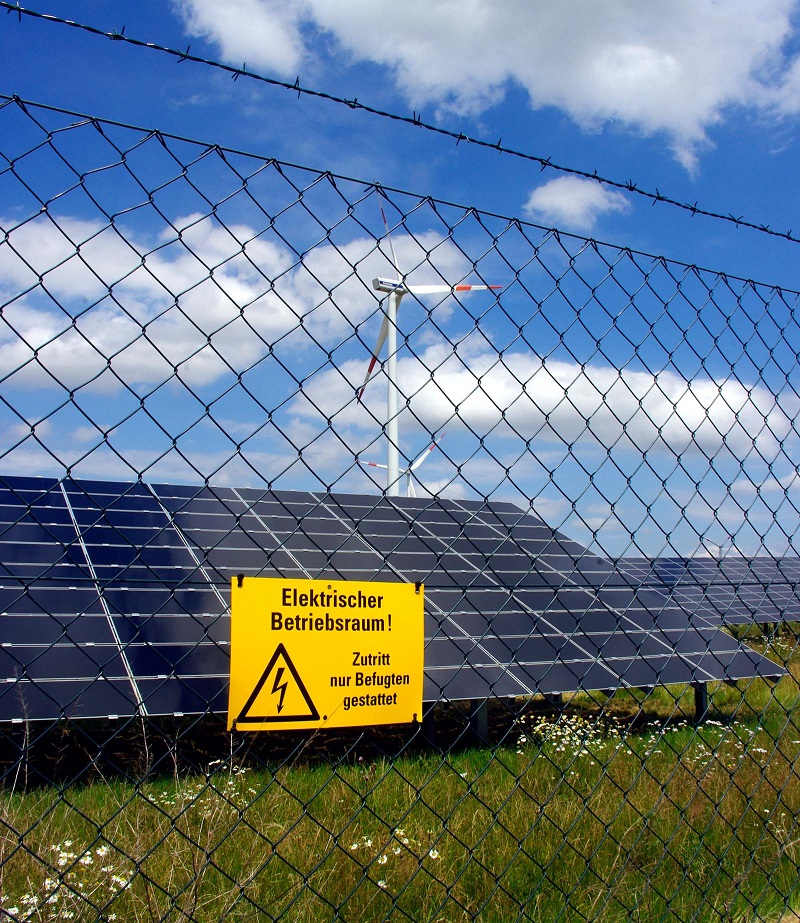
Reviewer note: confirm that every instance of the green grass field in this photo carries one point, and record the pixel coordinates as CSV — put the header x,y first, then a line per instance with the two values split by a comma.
x,y
580,815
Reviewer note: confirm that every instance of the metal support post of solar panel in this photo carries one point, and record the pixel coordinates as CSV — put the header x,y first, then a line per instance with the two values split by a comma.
x,y
114,597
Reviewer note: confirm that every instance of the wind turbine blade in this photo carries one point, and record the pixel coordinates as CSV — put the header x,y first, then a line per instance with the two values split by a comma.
x,y
391,245
399,287
411,492
371,464
448,289
424,454
429,289
375,353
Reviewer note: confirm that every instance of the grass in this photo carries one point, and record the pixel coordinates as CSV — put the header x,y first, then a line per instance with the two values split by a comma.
x,y
618,809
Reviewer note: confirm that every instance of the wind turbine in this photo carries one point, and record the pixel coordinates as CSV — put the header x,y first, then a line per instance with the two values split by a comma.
x,y
410,491
396,288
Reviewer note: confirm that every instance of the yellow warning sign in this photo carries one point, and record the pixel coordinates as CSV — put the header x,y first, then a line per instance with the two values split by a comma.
x,y
307,654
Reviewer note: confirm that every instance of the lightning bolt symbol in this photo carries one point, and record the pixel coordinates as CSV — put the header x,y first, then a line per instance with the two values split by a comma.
x,y
278,686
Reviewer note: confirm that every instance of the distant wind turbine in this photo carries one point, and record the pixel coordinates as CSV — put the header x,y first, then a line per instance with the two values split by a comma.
x,y
395,289
410,491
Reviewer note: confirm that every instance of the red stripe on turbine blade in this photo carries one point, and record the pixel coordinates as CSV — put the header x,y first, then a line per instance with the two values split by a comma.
x,y
471,288
368,376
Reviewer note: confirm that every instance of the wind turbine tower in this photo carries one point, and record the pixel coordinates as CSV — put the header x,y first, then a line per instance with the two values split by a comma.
x,y
395,289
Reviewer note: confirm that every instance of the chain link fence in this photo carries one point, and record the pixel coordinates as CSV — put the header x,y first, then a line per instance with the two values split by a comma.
x,y
185,394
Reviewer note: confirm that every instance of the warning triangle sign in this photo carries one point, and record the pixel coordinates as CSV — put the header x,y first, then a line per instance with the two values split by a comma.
x,y
280,695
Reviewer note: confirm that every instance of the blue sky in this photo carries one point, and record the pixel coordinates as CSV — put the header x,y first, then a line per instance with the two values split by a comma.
x,y
699,100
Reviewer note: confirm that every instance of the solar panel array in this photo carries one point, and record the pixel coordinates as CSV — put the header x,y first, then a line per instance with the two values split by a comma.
x,y
730,590
114,597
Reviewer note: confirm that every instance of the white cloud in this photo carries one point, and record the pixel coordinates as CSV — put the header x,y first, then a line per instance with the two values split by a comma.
x,y
250,31
22,431
672,67
198,299
525,397
551,509
786,97
573,203
174,466
773,484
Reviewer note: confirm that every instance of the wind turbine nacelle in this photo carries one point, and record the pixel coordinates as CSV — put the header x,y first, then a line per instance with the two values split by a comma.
x,y
388,285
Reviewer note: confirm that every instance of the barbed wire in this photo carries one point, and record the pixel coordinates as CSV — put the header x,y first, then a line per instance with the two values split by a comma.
x,y
629,186
593,243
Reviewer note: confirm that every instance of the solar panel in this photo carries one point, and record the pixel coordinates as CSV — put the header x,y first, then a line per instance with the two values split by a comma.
x,y
729,590
114,597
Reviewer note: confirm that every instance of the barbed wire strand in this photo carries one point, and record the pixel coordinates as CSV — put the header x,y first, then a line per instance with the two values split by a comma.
x,y
588,242
458,136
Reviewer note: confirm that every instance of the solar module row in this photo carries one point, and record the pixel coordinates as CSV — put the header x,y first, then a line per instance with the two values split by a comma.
x,y
730,590
114,597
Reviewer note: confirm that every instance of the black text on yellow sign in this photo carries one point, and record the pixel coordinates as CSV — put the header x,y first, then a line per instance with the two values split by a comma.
x,y
308,654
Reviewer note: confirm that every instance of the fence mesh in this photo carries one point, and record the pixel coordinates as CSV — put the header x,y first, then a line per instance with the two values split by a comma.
x,y
191,327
